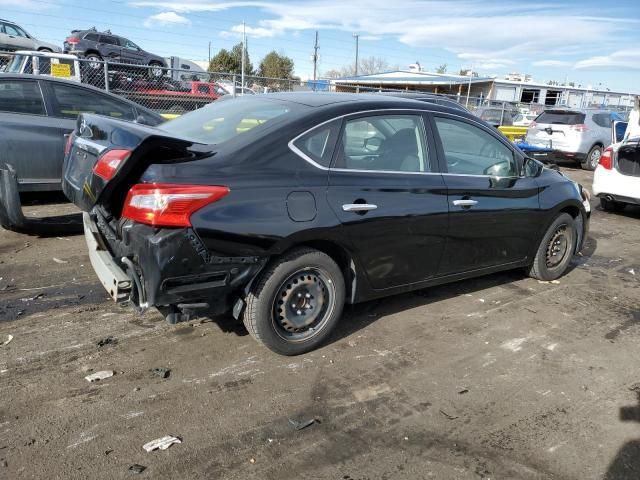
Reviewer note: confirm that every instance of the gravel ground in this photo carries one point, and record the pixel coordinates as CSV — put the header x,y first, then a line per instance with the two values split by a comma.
x,y
497,377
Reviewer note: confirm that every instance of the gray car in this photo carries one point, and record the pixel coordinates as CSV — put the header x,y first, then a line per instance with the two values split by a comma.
x,y
13,37
36,113
577,134
97,46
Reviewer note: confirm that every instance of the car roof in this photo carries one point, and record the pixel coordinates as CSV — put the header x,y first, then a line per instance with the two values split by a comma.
x,y
46,78
320,99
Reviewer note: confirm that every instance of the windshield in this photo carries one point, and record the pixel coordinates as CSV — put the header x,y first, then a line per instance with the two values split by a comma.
x,y
222,121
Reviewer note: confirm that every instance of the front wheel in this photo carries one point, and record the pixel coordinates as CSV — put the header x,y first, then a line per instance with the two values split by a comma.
x,y
592,159
296,302
555,250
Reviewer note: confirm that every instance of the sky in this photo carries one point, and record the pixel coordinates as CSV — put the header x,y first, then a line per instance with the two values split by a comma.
x,y
589,42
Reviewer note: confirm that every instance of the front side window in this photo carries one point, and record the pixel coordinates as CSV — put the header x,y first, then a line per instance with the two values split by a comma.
x,y
384,143
128,44
470,150
71,101
21,96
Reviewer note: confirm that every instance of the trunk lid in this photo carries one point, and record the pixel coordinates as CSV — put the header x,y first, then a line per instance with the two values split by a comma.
x,y
95,135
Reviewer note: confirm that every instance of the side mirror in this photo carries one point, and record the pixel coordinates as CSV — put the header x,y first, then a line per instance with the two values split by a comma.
x,y
140,119
532,167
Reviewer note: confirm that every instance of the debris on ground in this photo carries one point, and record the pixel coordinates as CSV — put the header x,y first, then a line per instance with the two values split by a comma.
x,y
463,391
555,282
160,372
57,260
29,299
107,341
96,377
304,424
450,417
161,443
137,468
7,340
632,271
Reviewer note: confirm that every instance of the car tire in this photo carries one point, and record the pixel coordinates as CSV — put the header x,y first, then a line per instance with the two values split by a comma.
x,y
592,159
611,205
156,70
295,303
559,239
48,50
92,61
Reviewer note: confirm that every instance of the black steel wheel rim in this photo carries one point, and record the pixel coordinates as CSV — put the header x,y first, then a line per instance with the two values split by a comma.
x,y
558,246
303,304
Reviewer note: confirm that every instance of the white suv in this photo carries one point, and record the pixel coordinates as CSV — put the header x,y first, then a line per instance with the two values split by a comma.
x,y
573,133
616,180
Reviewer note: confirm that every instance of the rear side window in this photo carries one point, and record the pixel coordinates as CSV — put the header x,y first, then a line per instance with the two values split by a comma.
x,y
602,119
109,40
21,96
318,144
92,37
71,101
561,118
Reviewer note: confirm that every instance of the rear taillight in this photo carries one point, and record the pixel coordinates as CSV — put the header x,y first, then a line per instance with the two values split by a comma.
x,y
73,40
166,205
606,159
580,127
109,162
68,144
533,125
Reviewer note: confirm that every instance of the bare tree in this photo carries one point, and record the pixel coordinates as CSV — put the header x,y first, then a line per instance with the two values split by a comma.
x,y
371,65
442,68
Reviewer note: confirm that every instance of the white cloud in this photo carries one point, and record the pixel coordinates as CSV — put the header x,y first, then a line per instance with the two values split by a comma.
x,y
254,32
165,19
552,63
625,59
486,33
371,38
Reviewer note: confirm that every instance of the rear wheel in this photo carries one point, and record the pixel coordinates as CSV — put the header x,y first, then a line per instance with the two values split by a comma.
x,y
296,302
155,70
611,205
555,250
94,60
592,159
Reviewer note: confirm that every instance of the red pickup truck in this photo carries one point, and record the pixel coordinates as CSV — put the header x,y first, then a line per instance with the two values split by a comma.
x,y
177,98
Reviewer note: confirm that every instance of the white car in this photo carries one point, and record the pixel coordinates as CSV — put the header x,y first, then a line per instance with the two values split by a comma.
x,y
524,119
616,180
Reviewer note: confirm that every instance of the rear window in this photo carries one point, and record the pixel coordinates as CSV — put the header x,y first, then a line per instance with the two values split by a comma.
x,y
223,120
561,118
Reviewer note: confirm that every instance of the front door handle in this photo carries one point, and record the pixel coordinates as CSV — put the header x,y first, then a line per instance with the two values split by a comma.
x,y
465,203
358,207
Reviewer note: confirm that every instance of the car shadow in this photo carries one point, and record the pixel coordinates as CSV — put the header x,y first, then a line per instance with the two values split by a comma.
x,y
626,463
630,211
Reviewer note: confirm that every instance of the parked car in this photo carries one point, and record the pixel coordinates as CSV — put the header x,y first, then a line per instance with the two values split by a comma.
x,y
524,119
573,133
14,37
496,116
36,113
280,208
178,96
98,46
429,98
616,180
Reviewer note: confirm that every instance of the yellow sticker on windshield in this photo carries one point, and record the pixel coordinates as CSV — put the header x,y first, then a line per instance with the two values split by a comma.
x,y
60,70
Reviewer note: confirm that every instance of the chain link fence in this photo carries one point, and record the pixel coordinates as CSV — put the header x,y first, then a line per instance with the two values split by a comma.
x,y
162,89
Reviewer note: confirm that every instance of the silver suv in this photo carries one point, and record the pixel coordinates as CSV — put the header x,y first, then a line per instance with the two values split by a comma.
x,y
14,37
573,133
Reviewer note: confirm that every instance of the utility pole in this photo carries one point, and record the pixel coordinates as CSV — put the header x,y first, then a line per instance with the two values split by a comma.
x,y
356,36
209,52
315,61
244,52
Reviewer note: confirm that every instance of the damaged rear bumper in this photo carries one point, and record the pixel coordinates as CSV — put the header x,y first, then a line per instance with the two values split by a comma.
x,y
165,267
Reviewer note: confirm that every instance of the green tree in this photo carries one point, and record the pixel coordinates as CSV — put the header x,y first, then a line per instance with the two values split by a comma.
x,y
224,62
276,66
236,53
442,68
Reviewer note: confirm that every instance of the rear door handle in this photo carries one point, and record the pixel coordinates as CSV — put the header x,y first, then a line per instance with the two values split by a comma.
x,y
358,207
465,203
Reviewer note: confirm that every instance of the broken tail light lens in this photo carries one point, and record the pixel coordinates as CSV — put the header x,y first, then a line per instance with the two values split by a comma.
x,y
168,205
109,162
606,159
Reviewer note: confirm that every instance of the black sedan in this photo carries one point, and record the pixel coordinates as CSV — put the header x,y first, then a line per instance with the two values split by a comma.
x,y
36,112
280,208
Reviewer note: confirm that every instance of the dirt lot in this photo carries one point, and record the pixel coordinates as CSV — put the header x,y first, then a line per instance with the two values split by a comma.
x,y
499,377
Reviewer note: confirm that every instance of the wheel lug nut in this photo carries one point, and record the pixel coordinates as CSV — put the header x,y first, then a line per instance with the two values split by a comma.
x,y
299,295
299,312
307,295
